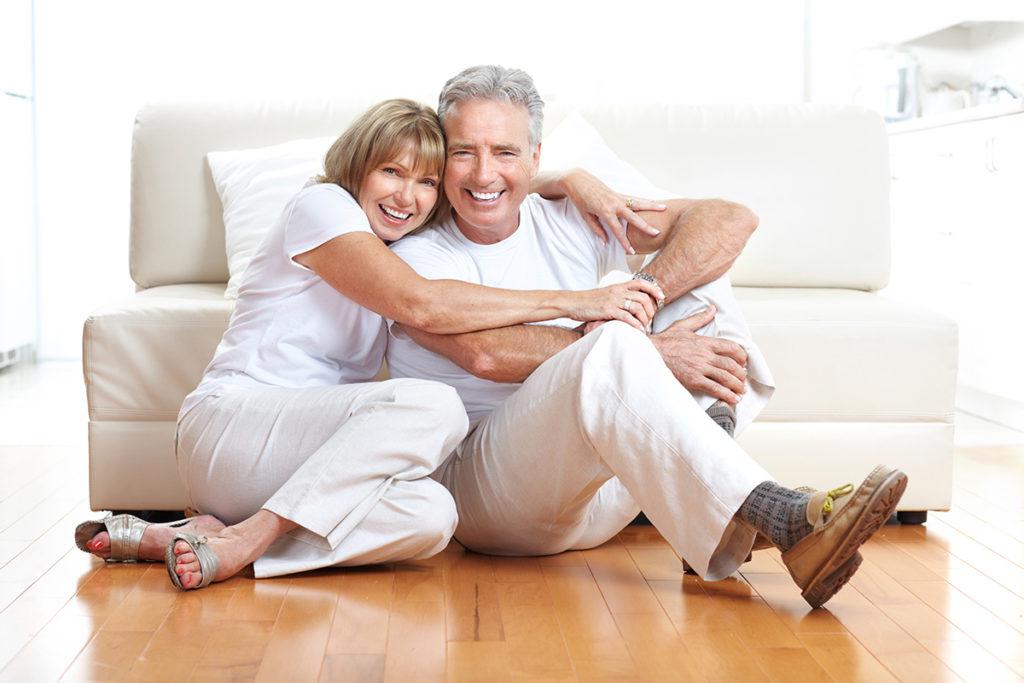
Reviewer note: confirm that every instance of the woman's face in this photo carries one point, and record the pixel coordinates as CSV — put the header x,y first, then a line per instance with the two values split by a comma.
x,y
396,199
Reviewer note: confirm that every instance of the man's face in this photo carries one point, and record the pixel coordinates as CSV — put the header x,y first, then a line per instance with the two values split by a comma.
x,y
490,165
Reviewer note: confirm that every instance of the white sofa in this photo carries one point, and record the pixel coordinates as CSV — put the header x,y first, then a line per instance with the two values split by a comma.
x,y
861,379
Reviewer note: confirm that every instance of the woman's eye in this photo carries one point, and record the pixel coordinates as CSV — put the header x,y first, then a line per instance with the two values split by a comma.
x,y
429,182
390,170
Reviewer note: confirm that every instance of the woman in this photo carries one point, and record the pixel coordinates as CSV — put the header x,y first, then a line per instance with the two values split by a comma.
x,y
286,438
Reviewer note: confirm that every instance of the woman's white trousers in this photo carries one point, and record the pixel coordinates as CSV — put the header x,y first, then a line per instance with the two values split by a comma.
x,y
349,464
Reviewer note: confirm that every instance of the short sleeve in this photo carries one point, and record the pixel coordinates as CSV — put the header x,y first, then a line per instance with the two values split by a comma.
x,y
320,213
610,256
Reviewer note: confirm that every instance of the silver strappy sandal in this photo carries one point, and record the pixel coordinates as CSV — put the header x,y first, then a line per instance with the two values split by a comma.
x,y
208,562
125,535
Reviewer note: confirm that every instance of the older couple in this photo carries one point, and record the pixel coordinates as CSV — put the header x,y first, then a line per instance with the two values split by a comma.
x,y
573,428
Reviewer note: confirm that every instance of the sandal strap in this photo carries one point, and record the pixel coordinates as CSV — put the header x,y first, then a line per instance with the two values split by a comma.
x,y
208,562
125,536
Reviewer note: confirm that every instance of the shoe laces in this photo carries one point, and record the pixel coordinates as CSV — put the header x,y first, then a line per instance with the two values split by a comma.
x,y
831,496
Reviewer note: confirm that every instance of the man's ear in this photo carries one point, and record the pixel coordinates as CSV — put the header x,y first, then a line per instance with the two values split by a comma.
x,y
536,160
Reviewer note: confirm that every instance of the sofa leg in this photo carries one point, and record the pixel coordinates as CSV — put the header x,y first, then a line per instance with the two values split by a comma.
x,y
912,516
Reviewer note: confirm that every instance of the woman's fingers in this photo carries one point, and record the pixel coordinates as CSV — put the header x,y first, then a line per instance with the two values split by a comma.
x,y
595,227
625,316
649,288
634,219
615,227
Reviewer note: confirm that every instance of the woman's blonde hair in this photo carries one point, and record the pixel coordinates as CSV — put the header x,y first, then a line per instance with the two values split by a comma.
x,y
384,133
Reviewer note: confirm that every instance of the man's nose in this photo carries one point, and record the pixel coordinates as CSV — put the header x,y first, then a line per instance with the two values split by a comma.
x,y
483,172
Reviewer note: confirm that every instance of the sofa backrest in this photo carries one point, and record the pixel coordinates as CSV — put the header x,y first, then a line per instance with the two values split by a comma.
x,y
818,177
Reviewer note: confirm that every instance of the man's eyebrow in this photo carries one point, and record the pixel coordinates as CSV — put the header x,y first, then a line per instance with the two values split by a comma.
x,y
458,144
508,147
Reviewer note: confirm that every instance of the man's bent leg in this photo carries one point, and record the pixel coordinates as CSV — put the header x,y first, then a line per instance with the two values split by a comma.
x,y
525,480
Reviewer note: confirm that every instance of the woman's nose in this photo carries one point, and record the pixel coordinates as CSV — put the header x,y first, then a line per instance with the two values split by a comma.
x,y
404,195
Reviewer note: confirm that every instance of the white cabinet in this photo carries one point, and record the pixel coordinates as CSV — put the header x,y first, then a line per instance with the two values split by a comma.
x,y
958,241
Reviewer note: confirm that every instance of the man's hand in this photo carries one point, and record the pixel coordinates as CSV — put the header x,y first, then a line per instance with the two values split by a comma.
x,y
717,367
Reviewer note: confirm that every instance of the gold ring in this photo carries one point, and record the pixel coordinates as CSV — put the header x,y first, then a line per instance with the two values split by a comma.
x,y
627,304
630,203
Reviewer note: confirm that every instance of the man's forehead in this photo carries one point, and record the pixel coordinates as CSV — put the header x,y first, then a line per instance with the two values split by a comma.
x,y
488,123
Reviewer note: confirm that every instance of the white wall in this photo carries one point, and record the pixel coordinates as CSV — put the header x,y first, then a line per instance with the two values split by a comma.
x,y
97,62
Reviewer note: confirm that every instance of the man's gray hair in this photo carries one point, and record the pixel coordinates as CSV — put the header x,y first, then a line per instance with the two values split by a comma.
x,y
491,82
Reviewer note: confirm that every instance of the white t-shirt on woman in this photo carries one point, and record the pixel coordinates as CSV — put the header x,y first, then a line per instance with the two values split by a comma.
x,y
289,327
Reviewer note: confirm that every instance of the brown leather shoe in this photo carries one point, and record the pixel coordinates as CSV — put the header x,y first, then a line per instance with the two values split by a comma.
x,y
843,519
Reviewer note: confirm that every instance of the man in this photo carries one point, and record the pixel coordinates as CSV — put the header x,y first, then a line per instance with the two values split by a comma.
x,y
606,423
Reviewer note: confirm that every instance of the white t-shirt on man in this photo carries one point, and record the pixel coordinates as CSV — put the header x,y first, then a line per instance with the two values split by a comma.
x,y
290,328
551,249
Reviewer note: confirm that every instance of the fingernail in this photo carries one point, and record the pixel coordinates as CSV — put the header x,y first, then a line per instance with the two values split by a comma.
x,y
632,251
662,206
655,231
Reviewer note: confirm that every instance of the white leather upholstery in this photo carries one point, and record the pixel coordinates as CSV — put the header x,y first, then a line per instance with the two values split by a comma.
x,y
861,379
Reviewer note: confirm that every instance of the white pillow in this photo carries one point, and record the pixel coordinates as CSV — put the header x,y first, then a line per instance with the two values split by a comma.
x,y
254,185
576,143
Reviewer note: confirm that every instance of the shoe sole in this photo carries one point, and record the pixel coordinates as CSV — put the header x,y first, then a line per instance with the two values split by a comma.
x,y
845,561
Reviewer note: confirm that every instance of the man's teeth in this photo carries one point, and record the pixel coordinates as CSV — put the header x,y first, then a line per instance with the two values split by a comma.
x,y
395,214
484,196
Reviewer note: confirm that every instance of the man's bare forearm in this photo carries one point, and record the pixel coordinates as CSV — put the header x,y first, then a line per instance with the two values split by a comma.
x,y
504,354
702,240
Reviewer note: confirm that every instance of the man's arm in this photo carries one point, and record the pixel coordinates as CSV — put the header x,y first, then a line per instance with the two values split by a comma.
x,y
700,240
692,254
504,354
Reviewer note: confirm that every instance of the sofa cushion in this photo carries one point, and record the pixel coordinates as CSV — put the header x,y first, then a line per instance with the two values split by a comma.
x,y
837,355
142,355
844,355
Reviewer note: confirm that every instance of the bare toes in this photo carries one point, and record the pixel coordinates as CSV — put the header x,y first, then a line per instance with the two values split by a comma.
x,y
181,547
100,545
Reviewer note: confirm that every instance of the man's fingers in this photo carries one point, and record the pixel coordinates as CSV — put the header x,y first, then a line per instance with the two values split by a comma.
x,y
731,366
726,379
699,319
724,347
595,227
715,389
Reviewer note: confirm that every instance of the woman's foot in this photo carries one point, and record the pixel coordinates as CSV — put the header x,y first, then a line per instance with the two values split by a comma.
x,y
156,537
235,546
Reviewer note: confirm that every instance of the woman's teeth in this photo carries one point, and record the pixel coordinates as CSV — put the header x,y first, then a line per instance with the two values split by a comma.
x,y
395,214
484,196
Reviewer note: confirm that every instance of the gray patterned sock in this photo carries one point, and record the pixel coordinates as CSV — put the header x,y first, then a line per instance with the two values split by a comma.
x,y
778,513
724,415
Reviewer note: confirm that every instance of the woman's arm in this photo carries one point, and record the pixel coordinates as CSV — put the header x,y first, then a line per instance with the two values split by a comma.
x,y
361,267
598,203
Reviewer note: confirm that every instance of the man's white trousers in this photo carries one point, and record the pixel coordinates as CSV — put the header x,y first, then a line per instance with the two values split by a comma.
x,y
349,464
597,432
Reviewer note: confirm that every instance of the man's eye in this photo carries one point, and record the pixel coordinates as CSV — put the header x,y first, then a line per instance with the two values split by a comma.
x,y
460,153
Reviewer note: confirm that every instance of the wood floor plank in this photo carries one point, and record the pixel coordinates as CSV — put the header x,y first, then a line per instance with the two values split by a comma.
x,y
416,649
361,615
470,661
659,563
623,586
298,641
472,612
897,650
109,656
783,596
54,648
595,645
844,658
535,642
349,668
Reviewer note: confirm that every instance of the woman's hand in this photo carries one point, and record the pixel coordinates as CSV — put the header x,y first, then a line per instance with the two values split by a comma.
x,y
634,302
600,204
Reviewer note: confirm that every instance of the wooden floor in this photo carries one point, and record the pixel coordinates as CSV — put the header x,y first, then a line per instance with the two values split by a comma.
x,y
942,601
